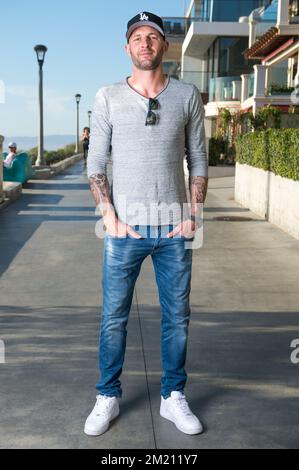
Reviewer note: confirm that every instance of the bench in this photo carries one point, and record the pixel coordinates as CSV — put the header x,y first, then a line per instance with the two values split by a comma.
x,y
21,169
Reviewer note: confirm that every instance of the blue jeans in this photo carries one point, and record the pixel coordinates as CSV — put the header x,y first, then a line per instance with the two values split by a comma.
x,y
122,261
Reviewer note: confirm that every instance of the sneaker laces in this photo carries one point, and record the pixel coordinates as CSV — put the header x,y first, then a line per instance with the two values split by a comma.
x,y
182,404
105,403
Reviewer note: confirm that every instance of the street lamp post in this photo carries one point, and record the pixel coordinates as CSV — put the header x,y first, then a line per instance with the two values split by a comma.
x,y
77,96
89,116
40,54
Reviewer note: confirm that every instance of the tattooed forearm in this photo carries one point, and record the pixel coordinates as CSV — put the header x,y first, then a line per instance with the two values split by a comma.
x,y
198,190
99,186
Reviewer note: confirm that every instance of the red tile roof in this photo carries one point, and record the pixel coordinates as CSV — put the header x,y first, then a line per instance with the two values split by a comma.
x,y
268,42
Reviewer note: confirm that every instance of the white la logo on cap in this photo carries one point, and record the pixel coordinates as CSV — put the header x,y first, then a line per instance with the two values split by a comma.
x,y
143,17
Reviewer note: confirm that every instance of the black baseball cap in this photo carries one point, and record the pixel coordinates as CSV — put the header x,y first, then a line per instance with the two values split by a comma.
x,y
145,18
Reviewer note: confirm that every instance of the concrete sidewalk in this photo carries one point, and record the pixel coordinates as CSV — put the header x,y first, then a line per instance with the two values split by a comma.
x,y
245,313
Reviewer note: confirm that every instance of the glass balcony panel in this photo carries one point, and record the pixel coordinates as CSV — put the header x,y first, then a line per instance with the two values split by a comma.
x,y
251,85
221,88
278,74
175,26
218,88
200,79
220,10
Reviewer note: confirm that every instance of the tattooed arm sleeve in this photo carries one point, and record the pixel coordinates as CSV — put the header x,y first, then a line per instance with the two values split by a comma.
x,y
196,153
100,190
198,189
99,152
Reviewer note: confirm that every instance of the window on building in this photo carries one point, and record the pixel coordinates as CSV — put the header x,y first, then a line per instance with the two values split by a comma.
x,y
231,58
294,11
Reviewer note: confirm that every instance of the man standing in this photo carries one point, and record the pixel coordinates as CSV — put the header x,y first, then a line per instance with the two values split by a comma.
x,y
146,123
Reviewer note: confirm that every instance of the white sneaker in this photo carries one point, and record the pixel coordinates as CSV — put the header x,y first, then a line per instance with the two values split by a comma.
x,y
105,409
176,409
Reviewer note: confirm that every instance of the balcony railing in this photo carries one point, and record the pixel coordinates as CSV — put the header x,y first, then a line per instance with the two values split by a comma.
x,y
225,89
200,79
175,26
179,26
225,10
216,88
251,85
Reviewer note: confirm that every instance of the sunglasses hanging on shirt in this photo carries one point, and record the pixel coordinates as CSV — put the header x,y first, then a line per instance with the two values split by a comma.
x,y
151,117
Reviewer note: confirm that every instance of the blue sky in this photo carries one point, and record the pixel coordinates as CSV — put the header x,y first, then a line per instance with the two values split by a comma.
x,y
85,41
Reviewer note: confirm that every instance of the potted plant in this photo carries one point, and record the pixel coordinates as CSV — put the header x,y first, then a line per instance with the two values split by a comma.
x,y
277,89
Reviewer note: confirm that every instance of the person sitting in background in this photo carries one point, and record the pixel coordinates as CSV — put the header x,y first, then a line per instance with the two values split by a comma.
x,y
85,142
7,162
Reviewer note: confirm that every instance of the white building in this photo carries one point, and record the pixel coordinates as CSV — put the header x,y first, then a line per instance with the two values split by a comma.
x,y
276,77
212,52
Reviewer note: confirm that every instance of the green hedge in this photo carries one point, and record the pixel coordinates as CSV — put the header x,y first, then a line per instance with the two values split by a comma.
x,y
276,150
251,149
284,150
53,156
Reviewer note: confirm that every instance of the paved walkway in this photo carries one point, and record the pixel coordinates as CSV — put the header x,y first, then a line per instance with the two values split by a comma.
x,y
245,313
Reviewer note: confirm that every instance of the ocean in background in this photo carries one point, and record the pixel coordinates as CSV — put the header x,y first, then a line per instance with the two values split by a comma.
x,y
51,142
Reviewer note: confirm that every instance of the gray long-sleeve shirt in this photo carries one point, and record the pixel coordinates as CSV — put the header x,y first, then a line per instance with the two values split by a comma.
x,y
148,185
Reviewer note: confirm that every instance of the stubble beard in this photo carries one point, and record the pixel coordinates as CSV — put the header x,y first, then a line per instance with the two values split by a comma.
x,y
147,64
